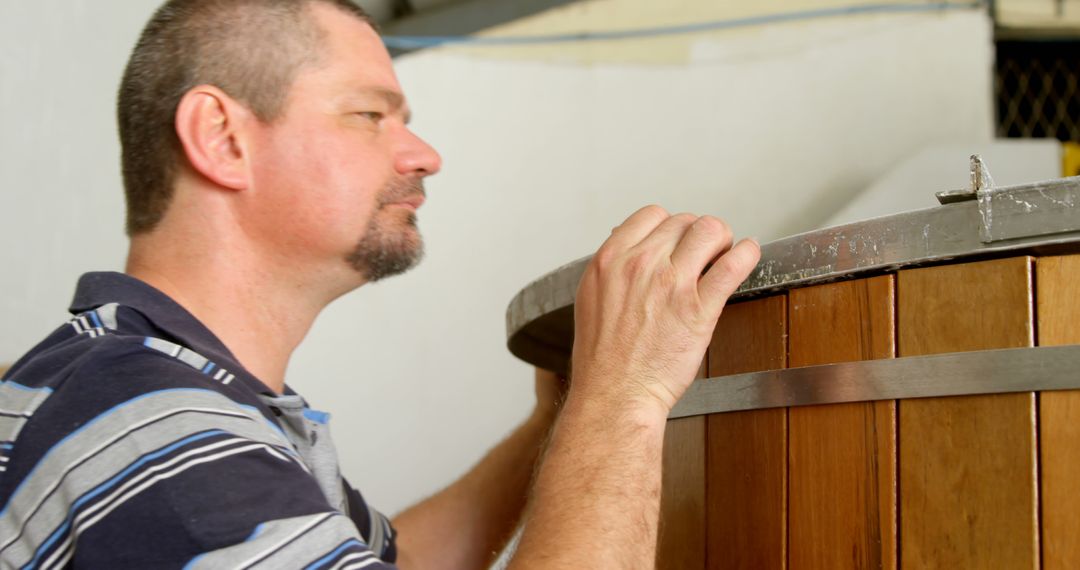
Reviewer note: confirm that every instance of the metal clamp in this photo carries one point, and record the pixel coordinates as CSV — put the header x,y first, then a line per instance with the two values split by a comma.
x,y
954,374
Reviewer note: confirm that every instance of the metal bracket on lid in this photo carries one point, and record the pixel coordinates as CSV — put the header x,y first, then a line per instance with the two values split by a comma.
x,y
1016,212
981,181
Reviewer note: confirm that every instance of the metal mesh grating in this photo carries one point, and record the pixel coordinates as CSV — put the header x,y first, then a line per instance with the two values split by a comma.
x,y
1036,84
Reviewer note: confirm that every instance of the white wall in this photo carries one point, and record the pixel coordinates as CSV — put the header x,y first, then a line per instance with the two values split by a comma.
x,y
774,128
912,182
60,192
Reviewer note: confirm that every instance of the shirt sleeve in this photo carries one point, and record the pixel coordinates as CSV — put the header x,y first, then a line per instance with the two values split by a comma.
x,y
322,541
176,476
382,537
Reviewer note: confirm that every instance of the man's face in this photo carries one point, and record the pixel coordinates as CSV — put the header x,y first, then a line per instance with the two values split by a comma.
x,y
338,177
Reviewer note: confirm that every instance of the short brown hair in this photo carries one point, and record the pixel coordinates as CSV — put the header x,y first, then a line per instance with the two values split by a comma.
x,y
250,49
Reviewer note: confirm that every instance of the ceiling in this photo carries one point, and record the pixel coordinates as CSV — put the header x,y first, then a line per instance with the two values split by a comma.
x,y
449,17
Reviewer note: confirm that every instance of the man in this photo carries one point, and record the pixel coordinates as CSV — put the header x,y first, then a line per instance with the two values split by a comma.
x,y
269,170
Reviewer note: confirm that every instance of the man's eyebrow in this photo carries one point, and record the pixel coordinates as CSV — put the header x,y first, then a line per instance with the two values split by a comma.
x,y
393,98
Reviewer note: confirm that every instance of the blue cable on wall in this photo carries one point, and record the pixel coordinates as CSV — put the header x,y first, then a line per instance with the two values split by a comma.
x,y
420,42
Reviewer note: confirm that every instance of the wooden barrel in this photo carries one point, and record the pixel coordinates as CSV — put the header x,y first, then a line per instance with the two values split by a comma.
x,y
897,393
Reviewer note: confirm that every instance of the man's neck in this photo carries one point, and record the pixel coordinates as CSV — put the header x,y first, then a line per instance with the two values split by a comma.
x,y
259,327
258,296
259,316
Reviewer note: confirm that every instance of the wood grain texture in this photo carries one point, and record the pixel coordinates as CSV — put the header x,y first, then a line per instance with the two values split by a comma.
x,y
682,500
968,493
681,541
842,458
747,451
1058,317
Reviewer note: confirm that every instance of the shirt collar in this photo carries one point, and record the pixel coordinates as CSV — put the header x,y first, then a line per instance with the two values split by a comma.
x,y
99,288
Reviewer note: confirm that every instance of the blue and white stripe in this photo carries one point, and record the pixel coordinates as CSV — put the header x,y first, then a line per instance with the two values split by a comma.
x,y
99,467
282,543
191,358
97,322
17,405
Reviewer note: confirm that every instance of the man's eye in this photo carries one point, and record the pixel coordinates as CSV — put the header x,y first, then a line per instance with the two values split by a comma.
x,y
374,116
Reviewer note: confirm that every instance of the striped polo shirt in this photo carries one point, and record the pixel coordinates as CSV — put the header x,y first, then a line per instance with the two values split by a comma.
x,y
132,438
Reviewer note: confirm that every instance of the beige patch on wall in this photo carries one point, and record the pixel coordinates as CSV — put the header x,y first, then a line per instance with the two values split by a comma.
x,y
605,16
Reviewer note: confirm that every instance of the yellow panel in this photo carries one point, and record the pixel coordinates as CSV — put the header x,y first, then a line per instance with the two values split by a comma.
x,y
1070,159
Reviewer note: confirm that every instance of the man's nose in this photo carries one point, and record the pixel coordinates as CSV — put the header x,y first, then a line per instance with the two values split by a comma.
x,y
417,157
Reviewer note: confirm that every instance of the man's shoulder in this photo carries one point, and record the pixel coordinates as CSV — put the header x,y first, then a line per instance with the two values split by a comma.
x,y
103,363
111,369
83,386
76,377
140,426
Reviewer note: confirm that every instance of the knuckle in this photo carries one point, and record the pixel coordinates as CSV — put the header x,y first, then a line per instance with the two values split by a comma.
x,y
638,264
684,219
729,264
604,258
736,265
654,211
714,226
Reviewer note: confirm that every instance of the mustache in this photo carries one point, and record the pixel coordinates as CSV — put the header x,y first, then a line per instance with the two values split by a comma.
x,y
401,190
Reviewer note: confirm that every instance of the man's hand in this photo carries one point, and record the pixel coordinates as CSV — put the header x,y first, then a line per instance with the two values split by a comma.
x,y
645,312
648,303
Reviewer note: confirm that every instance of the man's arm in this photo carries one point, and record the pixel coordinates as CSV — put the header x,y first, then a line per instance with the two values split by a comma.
x,y
467,524
643,318
644,314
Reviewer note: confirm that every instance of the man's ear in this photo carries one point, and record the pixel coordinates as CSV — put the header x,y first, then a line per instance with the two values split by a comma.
x,y
210,125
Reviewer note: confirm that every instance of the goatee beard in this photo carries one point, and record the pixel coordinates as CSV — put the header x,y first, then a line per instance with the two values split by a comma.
x,y
387,251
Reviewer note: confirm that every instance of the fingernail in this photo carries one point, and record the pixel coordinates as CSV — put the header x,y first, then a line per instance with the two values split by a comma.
x,y
755,240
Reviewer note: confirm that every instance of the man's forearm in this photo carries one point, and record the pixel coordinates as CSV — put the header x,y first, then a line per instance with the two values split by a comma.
x,y
596,499
644,313
469,522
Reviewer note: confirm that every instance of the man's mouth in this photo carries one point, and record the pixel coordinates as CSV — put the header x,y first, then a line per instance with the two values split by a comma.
x,y
409,194
413,202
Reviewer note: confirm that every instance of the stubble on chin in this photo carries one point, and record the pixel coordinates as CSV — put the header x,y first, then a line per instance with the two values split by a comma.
x,y
389,247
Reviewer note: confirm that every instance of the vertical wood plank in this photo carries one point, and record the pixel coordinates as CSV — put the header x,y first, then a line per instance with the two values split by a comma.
x,y
681,543
842,458
747,451
968,495
1058,317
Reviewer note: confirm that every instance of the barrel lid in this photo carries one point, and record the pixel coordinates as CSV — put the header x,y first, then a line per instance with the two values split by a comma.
x,y
1038,218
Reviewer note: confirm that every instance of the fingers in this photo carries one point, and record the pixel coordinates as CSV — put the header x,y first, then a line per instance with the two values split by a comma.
x,y
690,243
636,228
705,239
668,235
727,273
